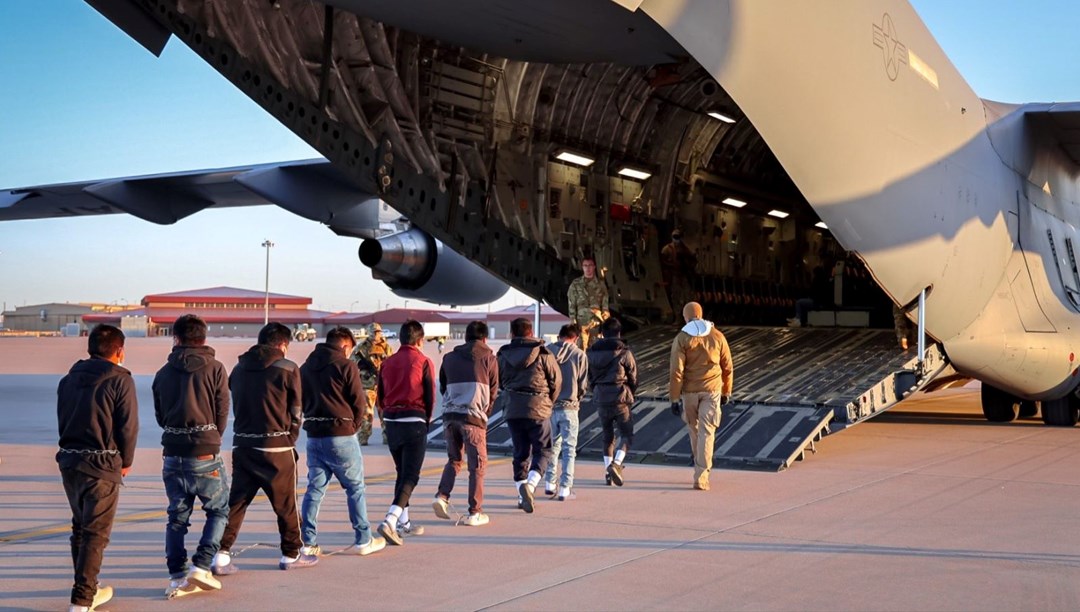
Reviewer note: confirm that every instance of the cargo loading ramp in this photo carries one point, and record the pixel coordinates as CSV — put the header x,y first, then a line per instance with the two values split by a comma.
x,y
792,387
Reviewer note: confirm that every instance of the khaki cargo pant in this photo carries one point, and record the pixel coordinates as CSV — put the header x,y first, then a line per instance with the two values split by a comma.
x,y
364,433
701,412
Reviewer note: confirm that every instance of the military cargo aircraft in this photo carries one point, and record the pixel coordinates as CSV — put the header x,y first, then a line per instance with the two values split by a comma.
x,y
779,137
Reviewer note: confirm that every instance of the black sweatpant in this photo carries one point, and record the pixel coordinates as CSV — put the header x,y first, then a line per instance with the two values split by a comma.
x,y
275,475
612,416
93,504
408,443
532,443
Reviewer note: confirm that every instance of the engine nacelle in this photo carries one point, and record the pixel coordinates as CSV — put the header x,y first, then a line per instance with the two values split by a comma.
x,y
415,265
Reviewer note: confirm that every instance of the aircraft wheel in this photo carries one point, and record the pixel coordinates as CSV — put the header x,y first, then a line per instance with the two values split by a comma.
x,y
1062,412
1028,409
998,406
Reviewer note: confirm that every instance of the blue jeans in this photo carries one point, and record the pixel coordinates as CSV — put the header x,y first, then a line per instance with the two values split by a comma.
x,y
187,478
564,433
337,456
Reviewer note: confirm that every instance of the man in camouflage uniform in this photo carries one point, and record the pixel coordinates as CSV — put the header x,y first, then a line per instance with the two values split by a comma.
x,y
588,298
369,356
678,264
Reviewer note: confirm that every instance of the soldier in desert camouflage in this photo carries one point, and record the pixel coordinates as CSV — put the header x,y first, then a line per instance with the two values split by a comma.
x,y
369,356
588,298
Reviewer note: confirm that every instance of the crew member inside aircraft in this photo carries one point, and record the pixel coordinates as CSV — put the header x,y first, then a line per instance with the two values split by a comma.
x,y
702,375
369,356
679,266
588,300
906,332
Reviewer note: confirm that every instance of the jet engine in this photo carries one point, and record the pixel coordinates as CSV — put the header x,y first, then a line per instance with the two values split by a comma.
x,y
415,265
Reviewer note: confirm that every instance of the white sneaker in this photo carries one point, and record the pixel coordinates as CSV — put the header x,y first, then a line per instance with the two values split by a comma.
x,y
203,579
103,594
409,529
476,520
375,545
441,507
179,587
314,551
794,322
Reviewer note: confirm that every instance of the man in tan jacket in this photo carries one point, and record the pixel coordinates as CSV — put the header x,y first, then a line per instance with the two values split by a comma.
x,y
702,376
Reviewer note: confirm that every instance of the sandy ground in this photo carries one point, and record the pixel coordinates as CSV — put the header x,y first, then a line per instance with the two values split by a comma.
x,y
928,507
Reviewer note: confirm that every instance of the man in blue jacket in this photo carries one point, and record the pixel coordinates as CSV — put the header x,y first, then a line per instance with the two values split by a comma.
x,y
574,367
469,383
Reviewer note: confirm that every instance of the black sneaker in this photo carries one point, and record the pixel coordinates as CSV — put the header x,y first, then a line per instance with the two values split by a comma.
x,y
526,497
615,474
607,479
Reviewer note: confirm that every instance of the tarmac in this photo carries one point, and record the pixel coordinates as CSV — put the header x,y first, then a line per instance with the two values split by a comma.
x,y
927,507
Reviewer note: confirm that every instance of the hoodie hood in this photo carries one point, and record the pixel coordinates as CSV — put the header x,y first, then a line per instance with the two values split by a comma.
x,y
472,350
259,357
90,372
563,351
698,328
606,351
323,356
521,352
190,358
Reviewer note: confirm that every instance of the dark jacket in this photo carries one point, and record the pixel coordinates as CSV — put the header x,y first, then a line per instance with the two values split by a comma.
x,y
191,402
96,410
574,367
612,372
266,399
469,383
334,401
529,378
406,386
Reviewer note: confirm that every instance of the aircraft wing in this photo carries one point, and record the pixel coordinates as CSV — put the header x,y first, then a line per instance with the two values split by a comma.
x,y
310,188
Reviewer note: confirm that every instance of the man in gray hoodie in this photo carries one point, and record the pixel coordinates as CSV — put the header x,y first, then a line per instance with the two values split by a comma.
x,y
469,383
574,367
530,378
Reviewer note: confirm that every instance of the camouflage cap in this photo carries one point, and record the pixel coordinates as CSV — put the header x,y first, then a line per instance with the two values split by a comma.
x,y
375,327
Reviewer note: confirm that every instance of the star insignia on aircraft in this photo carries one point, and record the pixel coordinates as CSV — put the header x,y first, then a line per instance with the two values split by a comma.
x,y
893,51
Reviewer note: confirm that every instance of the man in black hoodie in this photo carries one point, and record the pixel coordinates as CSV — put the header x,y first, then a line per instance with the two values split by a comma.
x,y
530,379
334,407
98,418
266,402
613,379
191,404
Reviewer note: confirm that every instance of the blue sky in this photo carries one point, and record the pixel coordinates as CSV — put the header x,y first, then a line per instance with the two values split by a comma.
x,y
81,101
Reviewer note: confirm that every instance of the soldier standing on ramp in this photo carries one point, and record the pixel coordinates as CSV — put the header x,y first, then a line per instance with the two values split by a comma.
x,y
369,356
588,299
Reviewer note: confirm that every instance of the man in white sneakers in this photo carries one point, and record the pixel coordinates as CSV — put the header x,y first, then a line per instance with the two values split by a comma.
x,y
469,383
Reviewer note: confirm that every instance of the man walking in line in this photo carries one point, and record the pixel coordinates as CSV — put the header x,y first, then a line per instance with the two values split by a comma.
x,y
334,406
407,394
98,421
369,356
702,375
469,383
529,375
574,368
613,378
191,404
266,400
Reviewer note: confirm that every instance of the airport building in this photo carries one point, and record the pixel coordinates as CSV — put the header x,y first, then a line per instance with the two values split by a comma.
x,y
228,311
45,318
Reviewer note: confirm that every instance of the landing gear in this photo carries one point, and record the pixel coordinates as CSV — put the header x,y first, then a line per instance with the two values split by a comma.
x,y
999,406
1028,409
1062,412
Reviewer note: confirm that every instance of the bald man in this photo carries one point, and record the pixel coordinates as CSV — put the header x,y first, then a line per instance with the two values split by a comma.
x,y
702,375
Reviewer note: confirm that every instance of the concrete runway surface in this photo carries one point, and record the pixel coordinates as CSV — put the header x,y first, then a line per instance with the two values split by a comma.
x,y
927,507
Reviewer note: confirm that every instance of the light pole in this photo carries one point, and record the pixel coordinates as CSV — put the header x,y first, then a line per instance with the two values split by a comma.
x,y
266,301
353,304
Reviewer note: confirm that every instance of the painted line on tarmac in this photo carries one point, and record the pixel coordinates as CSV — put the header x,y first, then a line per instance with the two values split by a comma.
x,y
23,535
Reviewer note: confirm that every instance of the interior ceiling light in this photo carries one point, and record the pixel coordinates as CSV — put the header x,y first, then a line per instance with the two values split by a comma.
x,y
779,214
721,117
734,202
634,173
574,158
821,224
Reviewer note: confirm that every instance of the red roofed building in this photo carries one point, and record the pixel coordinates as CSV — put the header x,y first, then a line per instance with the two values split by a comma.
x,y
228,311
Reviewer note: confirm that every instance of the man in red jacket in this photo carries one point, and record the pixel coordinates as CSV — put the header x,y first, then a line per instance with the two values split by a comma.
x,y
406,392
